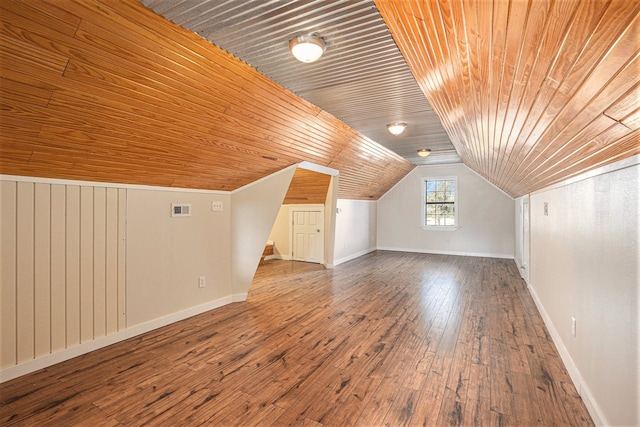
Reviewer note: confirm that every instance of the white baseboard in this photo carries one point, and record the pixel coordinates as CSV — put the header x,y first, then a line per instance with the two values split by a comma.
x,y
87,347
587,397
238,297
427,251
353,256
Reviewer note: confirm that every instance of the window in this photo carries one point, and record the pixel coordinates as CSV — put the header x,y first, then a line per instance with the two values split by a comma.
x,y
439,203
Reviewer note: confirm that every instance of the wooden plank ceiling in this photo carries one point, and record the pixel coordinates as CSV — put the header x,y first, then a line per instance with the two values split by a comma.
x,y
530,92
307,187
110,91
362,77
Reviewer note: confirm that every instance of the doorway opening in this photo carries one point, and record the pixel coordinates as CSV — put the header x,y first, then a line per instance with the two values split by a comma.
x,y
302,230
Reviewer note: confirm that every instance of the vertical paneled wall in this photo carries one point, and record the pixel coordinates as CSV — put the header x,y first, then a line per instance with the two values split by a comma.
x,y
63,267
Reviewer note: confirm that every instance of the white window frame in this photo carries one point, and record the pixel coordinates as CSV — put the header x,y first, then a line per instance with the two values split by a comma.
x,y
456,207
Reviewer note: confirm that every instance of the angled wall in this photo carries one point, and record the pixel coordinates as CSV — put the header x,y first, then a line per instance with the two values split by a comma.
x,y
253,212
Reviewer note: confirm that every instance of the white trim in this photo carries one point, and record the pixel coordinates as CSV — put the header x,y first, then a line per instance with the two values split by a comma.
x,y
440,228
303,207
612,167
318,168
69,353
427,251
520,270
238,297
54,181
423,189
587,397
353,256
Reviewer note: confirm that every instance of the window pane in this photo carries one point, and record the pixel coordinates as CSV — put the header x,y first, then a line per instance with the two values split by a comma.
x,y
440,198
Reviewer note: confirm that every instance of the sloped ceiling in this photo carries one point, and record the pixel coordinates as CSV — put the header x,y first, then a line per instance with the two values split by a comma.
x,y
110,91
529,93
362,78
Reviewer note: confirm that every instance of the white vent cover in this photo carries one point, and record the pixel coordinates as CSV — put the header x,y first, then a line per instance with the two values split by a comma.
x,y
178,209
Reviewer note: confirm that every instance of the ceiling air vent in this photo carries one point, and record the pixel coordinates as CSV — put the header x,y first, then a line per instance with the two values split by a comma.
x,y
180,210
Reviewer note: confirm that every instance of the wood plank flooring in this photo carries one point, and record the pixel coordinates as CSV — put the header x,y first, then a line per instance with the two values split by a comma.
x,y
390,338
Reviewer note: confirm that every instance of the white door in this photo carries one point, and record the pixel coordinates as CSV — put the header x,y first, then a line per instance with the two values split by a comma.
x,y
308,236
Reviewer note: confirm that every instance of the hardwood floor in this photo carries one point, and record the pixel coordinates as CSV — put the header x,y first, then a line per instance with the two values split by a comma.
x,y
386,339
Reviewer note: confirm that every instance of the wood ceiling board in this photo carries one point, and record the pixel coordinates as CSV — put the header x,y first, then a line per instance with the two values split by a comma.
x,y
362,78
625,108
143,101
307,187
525,114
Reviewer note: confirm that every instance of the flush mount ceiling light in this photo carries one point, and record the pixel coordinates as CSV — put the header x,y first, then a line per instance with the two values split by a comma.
x,y
396,128
307,48
424,152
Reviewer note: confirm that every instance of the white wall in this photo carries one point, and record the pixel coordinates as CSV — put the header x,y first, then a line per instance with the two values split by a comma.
x,y
167,255
355,229
485,214
93,264
584,264
281,234
254,210
356,224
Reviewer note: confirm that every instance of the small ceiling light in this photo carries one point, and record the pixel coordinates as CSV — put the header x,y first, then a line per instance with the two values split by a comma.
x,y
396,128
307,48
424,152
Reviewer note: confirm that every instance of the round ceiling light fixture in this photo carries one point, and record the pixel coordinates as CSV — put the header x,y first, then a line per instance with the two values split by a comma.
x,y
424,152
307,48
396,128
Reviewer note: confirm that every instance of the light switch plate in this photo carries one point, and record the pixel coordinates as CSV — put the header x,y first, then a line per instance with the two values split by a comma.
x,y
217,206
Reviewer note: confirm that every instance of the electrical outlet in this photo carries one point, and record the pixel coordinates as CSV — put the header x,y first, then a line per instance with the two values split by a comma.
x,y
573,326
546,208
202,282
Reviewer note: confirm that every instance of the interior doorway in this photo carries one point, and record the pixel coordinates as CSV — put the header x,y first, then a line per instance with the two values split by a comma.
x,y
307,235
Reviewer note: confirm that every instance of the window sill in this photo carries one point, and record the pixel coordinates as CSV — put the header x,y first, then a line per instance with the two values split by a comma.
x,y
439,228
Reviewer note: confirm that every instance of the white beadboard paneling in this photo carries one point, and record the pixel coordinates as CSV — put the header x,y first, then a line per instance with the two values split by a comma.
x,y
8,218
42,270
86,264
122,254
72,262
58,271
24,272
63,267
111,260
99,262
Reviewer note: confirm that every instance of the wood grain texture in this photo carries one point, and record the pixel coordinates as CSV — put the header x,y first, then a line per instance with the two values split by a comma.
x,y
387,339
110,91
307,187
530,92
